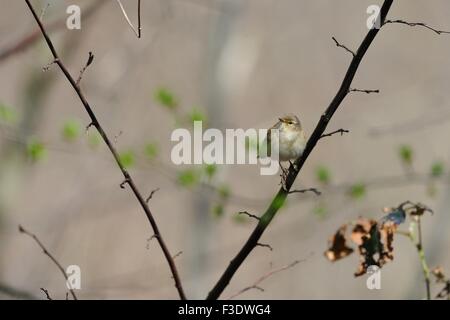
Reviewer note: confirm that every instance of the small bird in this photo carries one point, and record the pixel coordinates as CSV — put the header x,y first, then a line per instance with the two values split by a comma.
x,y
292,139
291,142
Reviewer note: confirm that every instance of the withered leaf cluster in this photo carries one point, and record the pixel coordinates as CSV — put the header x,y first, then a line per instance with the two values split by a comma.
x,y
374,240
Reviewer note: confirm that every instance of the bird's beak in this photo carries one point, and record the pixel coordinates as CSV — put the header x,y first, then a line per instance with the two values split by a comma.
x,y
280,119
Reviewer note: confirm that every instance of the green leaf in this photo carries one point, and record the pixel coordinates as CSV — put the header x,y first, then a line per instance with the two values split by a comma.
x,y
323,174
187,178
224,191
127,159
7,114
437,169
358,191
196,115
406,154
218,210
71,130
166,98
151,151
36,150
210,170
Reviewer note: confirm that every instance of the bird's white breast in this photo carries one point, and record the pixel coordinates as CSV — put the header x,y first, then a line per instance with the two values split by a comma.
x,y
292,144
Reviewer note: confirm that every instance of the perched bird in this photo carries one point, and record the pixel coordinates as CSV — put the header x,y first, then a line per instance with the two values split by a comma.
x,y
292,139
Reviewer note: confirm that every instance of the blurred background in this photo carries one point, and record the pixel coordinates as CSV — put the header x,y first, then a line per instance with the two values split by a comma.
x,y
232,64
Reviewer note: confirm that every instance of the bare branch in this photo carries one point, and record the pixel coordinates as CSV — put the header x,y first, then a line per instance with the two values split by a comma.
x,y
114,153
264,277
341,131
149,240
48,254
16,293
47,295
294,169
343,47
44,10
417,24
28,40
151,195
249,214
123,183
89,61
364,90
138,31
313,190
91,124
264,245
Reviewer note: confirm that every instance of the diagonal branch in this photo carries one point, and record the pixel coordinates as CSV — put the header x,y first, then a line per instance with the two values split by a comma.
x,y
48,254
114,153
294,169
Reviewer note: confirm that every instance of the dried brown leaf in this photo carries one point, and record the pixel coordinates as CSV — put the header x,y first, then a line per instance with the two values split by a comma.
x,y
338,247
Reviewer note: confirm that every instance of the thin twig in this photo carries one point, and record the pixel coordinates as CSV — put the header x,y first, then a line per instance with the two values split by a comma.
x,y
8,290
89,61
343,47
179,253
264,245
419,246
48,66
294,169
151,195
48,254
138,31
249,214
313,190
91,124
47,295
264,277
368,91
114,153
341,131
417,24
